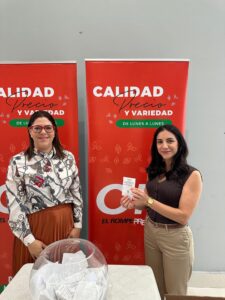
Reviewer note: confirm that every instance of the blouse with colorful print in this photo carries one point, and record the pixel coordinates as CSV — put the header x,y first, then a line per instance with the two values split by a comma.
x,y
43,181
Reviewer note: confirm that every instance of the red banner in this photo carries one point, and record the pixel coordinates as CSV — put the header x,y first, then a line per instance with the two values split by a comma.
x,y
25,88
126,101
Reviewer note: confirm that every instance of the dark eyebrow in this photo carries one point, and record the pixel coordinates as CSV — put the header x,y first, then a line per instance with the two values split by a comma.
x,y
43,125
168,139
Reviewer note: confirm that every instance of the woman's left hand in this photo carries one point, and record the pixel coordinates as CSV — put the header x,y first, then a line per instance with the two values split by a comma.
x,y
74,233
139,197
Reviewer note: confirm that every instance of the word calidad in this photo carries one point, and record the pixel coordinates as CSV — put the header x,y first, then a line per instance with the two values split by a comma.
x,y
127,91
26,92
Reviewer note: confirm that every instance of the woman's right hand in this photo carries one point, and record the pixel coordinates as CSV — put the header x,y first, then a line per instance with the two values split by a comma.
x,y
35,248
127,203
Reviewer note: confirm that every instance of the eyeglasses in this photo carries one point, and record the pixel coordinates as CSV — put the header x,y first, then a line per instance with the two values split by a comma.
x,y
39,128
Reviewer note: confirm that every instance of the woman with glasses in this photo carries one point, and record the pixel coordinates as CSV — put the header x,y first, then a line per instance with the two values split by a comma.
x,y
43,192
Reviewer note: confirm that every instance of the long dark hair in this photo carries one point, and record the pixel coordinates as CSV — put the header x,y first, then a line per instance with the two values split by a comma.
x,y
56,142
179,164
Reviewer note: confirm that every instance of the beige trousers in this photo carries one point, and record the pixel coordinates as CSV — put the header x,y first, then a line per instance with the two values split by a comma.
x,y
170,254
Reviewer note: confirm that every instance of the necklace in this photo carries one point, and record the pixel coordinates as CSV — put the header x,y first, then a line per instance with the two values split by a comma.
x,y
162,178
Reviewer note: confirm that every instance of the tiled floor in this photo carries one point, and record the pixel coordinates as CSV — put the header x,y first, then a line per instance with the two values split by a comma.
x,y
207,284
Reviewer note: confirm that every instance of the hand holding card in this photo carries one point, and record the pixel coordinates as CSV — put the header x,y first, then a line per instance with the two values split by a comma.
x,y
128,183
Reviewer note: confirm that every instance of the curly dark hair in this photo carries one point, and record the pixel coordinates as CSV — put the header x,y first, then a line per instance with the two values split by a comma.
x,y
179,165
56,142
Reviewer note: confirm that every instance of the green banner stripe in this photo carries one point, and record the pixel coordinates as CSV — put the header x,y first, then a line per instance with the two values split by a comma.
x,y
142,123
2,287
24,122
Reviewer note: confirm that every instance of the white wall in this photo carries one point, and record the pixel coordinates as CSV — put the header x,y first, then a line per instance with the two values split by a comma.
x,y
77,29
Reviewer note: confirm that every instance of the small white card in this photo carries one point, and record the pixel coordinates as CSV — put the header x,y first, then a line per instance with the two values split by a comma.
x,y
128,183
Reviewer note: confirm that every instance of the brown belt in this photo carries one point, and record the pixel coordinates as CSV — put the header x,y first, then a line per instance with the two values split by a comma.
x,y
166,226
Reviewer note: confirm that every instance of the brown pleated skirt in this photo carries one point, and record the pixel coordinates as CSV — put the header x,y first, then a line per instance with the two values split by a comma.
x,y
48,225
